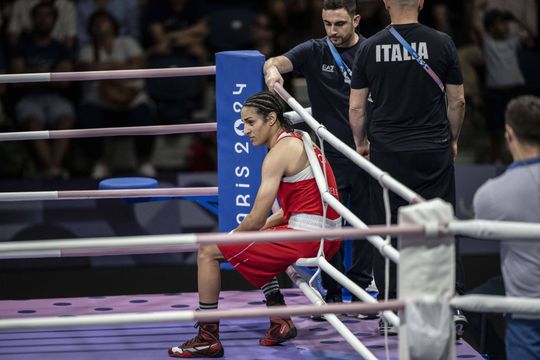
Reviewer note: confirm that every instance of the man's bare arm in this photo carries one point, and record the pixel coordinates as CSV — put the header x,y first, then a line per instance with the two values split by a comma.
x,y
456,112
357,119
273,68
528,38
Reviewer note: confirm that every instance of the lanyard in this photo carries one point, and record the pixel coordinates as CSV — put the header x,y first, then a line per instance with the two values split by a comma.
x,y
416,57
345,70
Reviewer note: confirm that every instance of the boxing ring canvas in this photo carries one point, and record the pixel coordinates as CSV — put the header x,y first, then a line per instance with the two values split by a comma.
x,y
315,340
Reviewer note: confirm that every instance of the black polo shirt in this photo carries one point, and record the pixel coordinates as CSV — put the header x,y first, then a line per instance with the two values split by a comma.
x,y
328,92
408,110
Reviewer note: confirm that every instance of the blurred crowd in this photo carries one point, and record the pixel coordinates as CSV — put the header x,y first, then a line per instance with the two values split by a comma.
x,y
496,40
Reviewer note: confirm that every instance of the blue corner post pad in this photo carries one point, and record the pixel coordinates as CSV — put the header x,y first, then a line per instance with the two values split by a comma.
x,y
239,74
131,183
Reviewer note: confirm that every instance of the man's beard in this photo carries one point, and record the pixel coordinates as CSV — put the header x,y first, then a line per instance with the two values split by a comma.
x,y
340,40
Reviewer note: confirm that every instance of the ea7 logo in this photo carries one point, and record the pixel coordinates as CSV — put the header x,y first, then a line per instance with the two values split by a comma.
x,y
328,68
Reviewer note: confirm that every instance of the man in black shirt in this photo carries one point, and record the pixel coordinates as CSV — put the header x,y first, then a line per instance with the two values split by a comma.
x,y
412,131
329,88
44,106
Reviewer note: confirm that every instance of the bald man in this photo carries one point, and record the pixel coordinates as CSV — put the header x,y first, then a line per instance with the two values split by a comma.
x,y
417,112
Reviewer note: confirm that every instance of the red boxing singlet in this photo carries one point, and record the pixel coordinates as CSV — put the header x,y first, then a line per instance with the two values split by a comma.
x,y
301,203
300,198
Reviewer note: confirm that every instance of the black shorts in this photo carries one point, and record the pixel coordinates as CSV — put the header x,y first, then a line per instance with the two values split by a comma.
x,y
430,173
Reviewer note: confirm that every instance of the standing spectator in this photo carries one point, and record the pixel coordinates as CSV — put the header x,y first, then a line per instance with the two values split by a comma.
x,y
114,102
412,133
126,13
525,10
43,105
329,89
504,79
515,196
21,21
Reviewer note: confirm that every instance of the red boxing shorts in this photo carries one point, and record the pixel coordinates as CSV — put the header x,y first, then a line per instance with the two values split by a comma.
x,y
259,262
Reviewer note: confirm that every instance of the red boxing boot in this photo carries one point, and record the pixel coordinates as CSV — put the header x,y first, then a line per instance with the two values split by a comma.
x,y
281,329
205,344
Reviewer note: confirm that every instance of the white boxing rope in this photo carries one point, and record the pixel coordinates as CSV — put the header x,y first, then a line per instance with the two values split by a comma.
x,y
77,247
294,118
495,230
348,284
119,131
126,245
108,74
19,78
385,179
97,251
106,194
336,205
25,135
204,316
29,196
497,304
360,293
314,163
106,132
331,317
377,241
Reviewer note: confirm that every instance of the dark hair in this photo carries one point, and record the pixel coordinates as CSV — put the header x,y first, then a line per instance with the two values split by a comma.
x,y
349,5
264,103
491,16
45,5
523,116
96,15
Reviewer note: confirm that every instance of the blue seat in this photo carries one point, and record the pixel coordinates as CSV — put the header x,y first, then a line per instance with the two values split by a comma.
x,y
130,183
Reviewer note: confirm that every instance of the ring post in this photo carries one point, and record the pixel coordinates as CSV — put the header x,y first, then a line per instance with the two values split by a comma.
x,y
239,74
426,280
